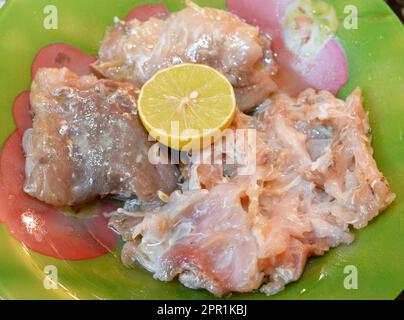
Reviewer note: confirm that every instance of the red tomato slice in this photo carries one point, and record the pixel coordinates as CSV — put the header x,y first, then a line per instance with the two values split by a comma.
x,y
62,55
3,201
41,227
146,11
22,112
328,70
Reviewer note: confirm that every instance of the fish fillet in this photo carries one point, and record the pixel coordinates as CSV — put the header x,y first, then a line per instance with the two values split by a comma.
x,y
314,177
134,51
88,142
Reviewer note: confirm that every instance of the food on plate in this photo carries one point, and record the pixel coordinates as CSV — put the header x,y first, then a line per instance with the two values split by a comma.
x,y
62,55
242,211
186,106
21,112
303,41
87,142
146,11
134,51
314,178
83,234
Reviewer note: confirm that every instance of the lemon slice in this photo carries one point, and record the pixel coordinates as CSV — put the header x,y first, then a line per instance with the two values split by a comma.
x,y
187,106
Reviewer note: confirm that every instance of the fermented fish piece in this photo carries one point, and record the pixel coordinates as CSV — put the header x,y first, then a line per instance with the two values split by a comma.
x,y
87,142
134,51
229,232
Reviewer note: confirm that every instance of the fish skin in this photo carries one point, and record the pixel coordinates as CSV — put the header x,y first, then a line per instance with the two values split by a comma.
x,y
134,51
87,142
315,177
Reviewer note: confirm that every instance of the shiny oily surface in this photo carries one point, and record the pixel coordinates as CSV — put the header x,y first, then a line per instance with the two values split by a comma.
x,y
375,52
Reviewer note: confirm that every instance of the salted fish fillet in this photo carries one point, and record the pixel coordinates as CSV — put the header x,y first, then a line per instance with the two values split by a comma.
x,y
134,51
315,177
87,142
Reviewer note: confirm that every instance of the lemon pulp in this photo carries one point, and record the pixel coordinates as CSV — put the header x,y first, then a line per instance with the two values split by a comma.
x,y
187,106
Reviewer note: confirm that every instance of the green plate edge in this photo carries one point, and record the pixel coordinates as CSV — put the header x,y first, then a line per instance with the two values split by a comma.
x,y
376,63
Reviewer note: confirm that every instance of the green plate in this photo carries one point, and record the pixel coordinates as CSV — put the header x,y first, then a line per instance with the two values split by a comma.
x,y
376,63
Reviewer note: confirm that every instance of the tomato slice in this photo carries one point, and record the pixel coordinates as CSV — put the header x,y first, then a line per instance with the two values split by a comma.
x,y
22,112
146,11
62,55
37,225
41,227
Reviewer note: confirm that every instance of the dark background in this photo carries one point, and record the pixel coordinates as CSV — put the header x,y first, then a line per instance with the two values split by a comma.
x,y
398,7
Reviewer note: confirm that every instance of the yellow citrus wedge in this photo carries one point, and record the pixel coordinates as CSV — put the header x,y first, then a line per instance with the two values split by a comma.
x,y
187,106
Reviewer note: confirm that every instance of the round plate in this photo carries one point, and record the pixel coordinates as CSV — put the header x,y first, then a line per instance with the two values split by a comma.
x,y
375,51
